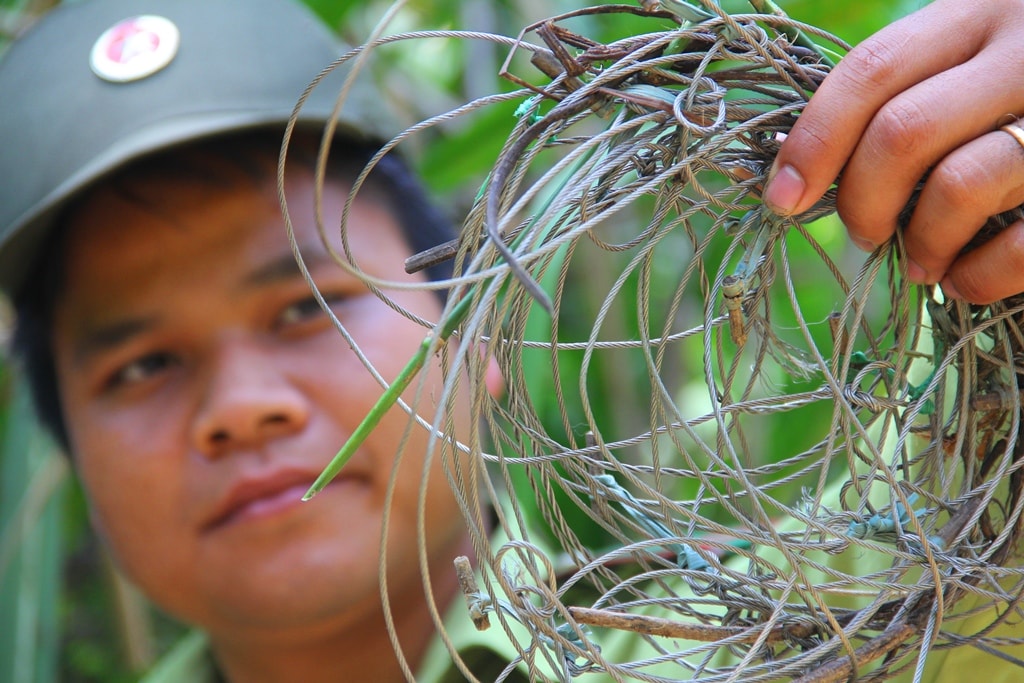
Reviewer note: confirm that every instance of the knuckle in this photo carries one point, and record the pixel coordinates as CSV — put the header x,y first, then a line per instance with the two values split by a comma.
x,y
960,181
899,126
871,65
815,137
1013,251
1007,183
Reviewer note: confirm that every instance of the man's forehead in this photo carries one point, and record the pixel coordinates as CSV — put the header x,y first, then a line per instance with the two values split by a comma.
x,y
118,238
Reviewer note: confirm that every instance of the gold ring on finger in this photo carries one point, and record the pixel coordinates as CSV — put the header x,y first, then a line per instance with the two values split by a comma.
x,y
1015,130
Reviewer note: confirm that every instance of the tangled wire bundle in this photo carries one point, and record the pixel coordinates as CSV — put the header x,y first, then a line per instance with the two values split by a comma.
x,y
666,541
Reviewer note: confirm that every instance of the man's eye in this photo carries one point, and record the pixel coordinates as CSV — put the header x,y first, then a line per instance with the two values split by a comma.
x,y
142,368
305,309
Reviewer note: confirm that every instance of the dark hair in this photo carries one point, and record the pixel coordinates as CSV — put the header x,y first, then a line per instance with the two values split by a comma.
x,y
254,153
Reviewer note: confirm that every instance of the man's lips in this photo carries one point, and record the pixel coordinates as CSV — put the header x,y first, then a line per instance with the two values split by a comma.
x,y
253,497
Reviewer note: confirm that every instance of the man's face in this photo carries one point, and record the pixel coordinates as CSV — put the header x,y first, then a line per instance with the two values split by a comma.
x,y
204,390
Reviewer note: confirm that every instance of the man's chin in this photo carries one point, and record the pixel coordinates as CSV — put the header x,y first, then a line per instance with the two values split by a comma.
x,y
291,601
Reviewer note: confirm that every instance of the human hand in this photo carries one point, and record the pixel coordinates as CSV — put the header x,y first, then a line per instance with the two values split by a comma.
x,y
928,92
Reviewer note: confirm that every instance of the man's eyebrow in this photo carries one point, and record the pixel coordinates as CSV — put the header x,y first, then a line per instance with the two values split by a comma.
x,y
104,337
285,268
97,339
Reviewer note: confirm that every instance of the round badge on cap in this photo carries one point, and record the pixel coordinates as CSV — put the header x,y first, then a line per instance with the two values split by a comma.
x,y
134,48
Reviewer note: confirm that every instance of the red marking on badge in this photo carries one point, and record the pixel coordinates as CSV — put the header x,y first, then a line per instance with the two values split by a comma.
x,y
135,48
130,40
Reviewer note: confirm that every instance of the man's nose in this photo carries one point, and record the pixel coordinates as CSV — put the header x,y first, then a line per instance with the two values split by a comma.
x,y
248,397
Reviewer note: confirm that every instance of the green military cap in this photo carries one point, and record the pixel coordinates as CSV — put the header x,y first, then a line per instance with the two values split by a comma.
x,y
98,83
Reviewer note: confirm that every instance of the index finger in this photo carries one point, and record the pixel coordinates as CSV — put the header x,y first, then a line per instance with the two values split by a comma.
x,y
896,58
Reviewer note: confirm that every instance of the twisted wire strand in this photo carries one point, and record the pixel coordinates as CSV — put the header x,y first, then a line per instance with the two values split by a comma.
x,y
681,521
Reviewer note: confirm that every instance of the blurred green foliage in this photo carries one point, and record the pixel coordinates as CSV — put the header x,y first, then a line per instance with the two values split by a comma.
x,y
62,614
32,544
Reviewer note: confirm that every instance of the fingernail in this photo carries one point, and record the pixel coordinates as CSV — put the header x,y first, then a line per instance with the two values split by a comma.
x,y
915,273
785,188
949,290
866,245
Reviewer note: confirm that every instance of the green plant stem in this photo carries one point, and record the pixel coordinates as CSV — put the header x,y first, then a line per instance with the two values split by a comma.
x,y
372,419
389,398
408,373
